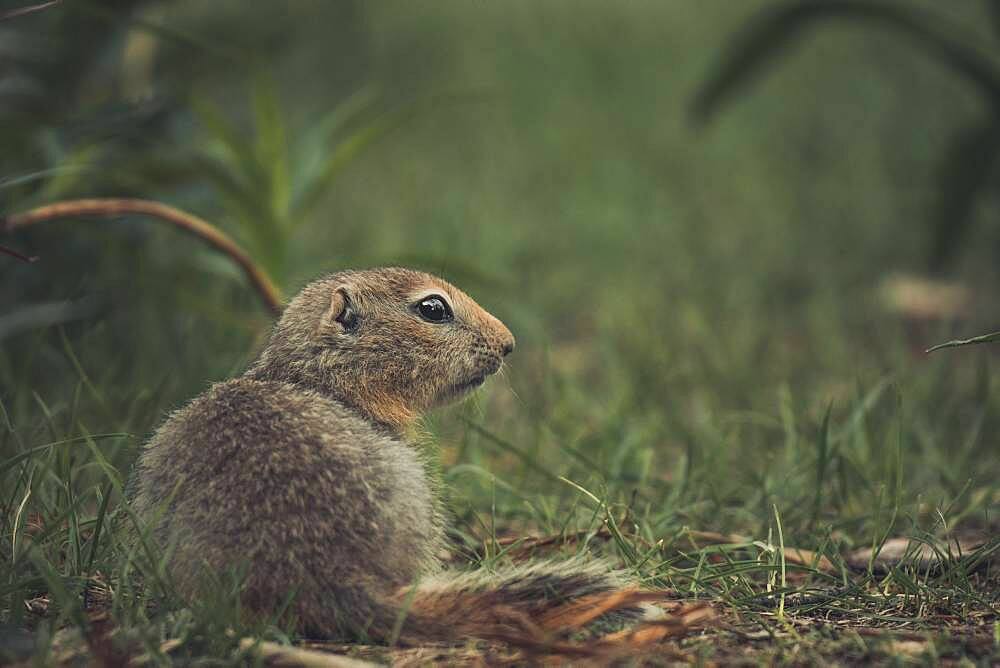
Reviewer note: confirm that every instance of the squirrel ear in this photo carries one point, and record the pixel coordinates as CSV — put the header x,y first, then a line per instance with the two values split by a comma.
x,y
341,316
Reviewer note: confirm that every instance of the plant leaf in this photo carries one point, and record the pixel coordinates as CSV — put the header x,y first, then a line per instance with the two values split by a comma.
x,y
822,461
237,148
312,147
993,7
271,147
13,461
964,173
774,30
320,133
346,151
240,197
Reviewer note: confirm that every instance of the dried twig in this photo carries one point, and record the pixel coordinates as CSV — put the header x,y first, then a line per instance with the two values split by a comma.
x,y
295,656
13,253
113,207
522,546
30,9
793,555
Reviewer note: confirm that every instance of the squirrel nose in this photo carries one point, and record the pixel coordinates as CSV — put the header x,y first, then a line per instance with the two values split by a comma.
x,y
508,347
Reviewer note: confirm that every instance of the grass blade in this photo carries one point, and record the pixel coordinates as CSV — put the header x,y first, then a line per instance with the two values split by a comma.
x,y
985,338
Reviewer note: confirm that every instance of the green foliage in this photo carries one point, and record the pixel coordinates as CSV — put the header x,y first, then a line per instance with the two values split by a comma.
x,y
965,169
270,186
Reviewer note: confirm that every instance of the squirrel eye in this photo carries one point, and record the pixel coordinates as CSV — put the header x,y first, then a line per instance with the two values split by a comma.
x,y
434,309
348,318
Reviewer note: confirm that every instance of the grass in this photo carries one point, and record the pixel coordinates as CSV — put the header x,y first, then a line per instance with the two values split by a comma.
x,y
69,568
707,388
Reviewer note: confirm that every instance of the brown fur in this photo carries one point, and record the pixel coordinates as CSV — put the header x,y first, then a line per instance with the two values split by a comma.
x,y
298,471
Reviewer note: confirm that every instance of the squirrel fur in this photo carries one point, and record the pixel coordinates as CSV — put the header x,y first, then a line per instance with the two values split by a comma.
x,y
299,471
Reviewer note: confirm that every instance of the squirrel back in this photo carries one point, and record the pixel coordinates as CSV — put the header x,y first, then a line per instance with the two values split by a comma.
x,y
298,474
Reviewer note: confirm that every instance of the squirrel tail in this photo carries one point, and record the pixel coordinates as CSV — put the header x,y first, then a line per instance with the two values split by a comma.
x,y
531,604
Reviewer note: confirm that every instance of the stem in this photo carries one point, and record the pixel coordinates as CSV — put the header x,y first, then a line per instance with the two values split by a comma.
x,y
13,253
781,548
114,207
31,9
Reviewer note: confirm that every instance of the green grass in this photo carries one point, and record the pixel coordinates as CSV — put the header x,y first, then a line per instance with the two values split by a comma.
x,y
701,343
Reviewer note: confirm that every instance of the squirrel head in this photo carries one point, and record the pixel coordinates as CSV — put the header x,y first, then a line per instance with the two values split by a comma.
x,y
391,343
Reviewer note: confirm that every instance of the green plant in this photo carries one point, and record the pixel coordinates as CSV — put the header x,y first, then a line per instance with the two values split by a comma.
x,y
271,185
967,166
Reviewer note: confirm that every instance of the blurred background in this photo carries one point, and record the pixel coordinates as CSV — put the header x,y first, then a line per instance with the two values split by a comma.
x,y
708,224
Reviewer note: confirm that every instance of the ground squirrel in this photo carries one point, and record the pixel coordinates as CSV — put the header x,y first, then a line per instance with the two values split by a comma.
x,y
299,471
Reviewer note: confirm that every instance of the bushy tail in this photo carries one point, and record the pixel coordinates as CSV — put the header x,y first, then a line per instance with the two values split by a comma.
x,y
536,606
